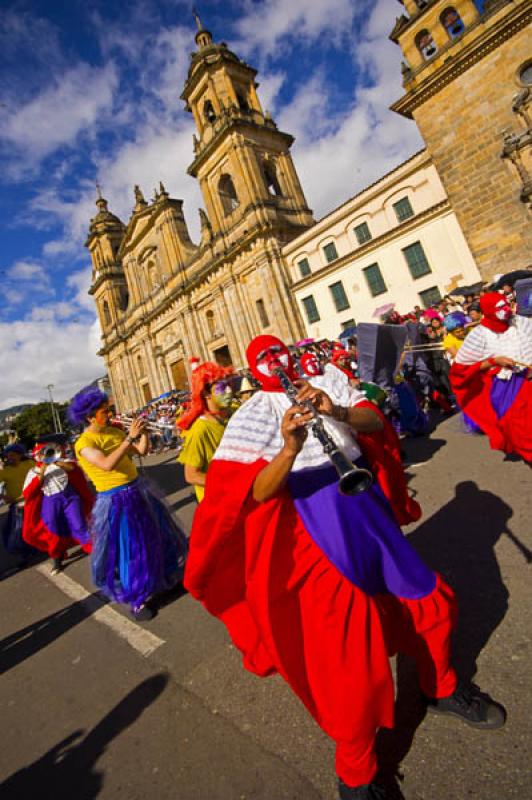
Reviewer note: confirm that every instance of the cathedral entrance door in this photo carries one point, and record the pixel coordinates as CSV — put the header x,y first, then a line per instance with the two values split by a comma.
x,y
146,392
222,356
179,374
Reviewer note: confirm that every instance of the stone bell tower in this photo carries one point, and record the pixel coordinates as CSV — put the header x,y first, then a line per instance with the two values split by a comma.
x,y
241,159
109,287
467,75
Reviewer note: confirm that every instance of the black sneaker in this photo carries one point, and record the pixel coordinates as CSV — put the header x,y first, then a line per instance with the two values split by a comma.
x,y
142,614
472,706
369,791
57,566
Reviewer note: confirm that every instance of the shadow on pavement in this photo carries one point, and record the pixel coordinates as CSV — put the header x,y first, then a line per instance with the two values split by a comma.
x,y
67,769
29,640
421,449
459,543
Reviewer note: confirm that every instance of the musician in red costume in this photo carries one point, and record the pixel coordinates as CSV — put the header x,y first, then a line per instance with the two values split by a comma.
x,y
315,585
491,376
58,502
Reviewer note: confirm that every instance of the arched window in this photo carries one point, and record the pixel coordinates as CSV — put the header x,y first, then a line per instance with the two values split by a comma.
x,y
271,180
425,44
211,325
228,195
242,102
452,22
208,111
123,298
106,313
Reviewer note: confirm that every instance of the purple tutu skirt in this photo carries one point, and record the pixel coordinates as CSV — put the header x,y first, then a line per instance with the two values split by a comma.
x,y
137,548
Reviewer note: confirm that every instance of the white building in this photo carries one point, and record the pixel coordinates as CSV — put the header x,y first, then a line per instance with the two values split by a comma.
x,y
398,241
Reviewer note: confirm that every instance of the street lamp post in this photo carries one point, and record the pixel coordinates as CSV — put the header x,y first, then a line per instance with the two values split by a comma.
x,y
55,414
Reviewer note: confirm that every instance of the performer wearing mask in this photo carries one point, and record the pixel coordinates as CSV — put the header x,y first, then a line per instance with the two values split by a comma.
x,y
58,504
491,376
138,550
310,365
315,585
211,406
13,475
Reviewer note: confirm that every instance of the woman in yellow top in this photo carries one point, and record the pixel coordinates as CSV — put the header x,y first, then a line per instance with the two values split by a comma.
x,y
137,548
13,476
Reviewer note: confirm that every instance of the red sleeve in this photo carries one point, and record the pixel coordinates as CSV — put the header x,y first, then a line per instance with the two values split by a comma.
x,y
382,451
219,562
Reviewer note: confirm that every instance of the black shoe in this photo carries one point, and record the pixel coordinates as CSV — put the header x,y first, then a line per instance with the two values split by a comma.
x,y
472,706
57,566
369,791
142,614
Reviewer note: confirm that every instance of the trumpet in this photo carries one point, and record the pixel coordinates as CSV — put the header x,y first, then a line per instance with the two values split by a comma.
x,y
152,427
353,480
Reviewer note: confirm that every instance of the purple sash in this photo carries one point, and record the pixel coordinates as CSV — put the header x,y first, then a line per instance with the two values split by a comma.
x,y
359,535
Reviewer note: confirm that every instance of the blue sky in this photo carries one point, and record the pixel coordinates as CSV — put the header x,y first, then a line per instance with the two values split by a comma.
x,y
89,92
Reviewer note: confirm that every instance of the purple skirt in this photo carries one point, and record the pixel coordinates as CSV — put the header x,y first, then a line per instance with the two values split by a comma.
x,y
137,548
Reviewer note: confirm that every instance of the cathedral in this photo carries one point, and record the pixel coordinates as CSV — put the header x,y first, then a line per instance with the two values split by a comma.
x,y
161,298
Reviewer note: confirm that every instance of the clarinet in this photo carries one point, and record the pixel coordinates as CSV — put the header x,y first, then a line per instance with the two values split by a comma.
x,y
353,479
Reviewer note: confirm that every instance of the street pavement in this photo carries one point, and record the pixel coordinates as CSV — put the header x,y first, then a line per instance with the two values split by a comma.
x,y
94,705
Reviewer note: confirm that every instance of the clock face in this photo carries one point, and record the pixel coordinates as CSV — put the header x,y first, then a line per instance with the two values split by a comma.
x,y
525,75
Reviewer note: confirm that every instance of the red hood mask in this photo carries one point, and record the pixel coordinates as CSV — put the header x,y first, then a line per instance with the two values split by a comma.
x,y
310,365
261,366
338,356
497,312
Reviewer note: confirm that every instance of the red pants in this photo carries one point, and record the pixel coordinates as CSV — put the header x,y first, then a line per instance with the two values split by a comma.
x,y
420,629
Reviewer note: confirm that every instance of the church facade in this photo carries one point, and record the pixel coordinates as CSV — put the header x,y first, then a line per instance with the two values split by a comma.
x,y
160,298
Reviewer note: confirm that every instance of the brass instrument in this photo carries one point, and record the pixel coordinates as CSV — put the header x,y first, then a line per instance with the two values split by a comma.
x,y
424,348
152,427
353,479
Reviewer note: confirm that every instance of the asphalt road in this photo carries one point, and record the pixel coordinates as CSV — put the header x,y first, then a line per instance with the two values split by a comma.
x,y
92,706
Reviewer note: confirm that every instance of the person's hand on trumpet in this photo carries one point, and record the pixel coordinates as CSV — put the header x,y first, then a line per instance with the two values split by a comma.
x,y
136,429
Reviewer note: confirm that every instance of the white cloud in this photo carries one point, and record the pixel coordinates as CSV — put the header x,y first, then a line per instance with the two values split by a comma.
x,y
70,106
80,282
34,353
28,271
265,26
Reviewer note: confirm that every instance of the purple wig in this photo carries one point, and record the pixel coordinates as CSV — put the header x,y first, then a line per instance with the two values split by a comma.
x,y
454,320
85,403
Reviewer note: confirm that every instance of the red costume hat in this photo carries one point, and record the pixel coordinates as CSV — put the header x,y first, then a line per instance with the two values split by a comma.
x,y
497,312
202,376
256,348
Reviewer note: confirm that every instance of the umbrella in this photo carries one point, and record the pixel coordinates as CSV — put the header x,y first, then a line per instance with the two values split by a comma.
x,y
303,342
462,291
348,332
383,309
511,277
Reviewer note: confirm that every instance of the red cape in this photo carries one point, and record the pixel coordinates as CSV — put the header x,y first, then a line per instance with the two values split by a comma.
x,y
512,433
36,533
286,607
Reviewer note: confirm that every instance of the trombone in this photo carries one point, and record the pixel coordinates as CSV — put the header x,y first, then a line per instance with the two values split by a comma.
x,y
424,348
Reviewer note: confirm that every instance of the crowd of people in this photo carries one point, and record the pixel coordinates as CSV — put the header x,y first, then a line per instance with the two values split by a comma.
x,y
296,544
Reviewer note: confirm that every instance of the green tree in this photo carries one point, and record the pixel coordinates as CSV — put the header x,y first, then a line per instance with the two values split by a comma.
x,y
37,421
